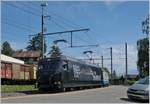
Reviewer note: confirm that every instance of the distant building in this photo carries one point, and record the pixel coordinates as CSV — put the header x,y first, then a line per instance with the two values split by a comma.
x,y
28,56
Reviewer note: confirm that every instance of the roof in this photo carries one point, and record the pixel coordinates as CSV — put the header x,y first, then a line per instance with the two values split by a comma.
x,y
79,60
24,54
72,59
10,59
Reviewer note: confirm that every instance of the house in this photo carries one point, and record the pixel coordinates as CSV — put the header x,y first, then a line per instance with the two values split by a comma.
x,y
28,56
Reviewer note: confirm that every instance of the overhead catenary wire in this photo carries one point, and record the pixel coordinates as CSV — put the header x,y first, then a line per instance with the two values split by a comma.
x,y
31,12
56,22
58,18
22,9
18,26
67,21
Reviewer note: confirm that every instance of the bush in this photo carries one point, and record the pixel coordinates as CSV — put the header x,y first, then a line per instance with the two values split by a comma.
x,y
130,82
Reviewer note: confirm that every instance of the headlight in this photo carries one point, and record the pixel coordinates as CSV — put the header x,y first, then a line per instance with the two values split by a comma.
x,y
57,82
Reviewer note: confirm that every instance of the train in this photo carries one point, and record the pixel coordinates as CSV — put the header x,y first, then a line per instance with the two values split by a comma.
x,y
14,71
63,73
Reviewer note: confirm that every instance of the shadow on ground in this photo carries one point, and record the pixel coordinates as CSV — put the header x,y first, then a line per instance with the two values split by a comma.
x,y
44,92
38,92
133,100
50,91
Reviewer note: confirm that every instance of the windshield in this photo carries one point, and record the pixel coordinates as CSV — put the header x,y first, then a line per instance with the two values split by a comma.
x,y
143,81
48,65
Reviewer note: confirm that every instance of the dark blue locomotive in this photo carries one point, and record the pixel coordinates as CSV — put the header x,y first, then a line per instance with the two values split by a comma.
x,y
63,72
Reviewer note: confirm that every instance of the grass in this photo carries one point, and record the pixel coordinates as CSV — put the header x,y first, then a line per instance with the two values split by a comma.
x,y
16,88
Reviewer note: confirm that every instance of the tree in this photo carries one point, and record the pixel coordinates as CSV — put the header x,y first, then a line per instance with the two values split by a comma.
x,y
145,26
122,79
19,50
143,50
6,49
143,56
35,44
55,52
114,75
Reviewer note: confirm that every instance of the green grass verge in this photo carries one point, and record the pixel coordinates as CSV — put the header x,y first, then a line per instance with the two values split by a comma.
x,y
15,88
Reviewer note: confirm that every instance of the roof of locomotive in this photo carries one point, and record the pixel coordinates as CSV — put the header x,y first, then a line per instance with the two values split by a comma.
x,y
63,57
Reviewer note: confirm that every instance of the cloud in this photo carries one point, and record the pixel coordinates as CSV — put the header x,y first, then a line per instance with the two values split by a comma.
x,y
112,4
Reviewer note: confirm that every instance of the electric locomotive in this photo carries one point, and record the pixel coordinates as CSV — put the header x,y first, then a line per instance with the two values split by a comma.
x,y
63,72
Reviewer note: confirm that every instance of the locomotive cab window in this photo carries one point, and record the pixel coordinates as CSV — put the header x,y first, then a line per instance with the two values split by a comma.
x,y
49,65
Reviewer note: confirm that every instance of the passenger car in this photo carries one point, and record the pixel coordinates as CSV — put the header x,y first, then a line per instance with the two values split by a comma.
x,y
139,90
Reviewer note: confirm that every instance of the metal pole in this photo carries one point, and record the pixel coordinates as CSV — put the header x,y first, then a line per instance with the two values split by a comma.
x,y
126,63
42,28
111,62
71,39
102,61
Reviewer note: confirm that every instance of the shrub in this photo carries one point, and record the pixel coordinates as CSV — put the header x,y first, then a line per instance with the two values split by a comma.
x,y
130,82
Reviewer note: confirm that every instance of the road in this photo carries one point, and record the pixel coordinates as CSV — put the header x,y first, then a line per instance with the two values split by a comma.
x,y
111,94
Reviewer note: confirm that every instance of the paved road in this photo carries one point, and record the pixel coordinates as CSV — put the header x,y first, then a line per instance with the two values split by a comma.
x,y
111,94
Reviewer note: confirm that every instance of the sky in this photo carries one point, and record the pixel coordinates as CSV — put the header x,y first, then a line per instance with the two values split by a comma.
x,y
111,24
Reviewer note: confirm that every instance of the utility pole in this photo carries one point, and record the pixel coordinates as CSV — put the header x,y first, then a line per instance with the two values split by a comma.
x,y
102,60
111,63
42,29
71,39
126,63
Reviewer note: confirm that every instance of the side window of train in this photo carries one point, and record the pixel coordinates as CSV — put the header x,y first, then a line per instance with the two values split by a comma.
x,y
65,65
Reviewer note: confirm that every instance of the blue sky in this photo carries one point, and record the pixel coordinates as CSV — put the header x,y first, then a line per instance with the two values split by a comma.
x,y
111,24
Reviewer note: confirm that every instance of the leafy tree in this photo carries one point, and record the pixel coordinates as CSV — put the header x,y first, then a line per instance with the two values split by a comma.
x,y
143,50
6,49
55,52
143,56
35,44
145,26
121,77
114,75
19,50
